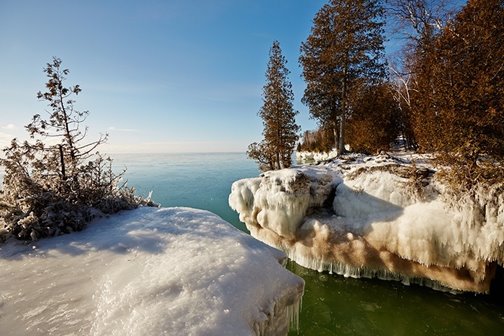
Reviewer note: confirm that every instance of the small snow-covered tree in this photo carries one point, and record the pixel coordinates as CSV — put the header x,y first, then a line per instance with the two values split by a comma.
x,y
278,115
53,182
64,123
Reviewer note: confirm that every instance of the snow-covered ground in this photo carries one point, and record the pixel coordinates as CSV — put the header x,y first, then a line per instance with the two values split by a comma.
x,y
149,271
310,157
377,216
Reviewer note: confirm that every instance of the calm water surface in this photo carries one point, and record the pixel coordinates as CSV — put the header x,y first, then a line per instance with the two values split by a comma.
x,y
332,305
201,181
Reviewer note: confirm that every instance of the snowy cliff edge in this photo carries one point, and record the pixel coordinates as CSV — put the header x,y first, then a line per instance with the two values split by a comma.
x,y
377,217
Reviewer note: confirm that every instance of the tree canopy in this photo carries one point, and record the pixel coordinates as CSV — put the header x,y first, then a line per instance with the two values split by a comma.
x,y
458,102
343,52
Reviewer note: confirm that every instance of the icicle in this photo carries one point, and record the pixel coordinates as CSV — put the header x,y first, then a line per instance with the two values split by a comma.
x,y
293,315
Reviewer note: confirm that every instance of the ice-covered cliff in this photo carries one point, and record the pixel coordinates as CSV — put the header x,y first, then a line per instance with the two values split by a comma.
x,y
377,217
171,271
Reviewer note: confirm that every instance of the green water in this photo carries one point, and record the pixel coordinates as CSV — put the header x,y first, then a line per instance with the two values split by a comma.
x,y
332,305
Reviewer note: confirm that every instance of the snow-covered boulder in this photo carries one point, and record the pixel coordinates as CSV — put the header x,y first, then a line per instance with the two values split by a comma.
x,y
279,200
172,271
383,218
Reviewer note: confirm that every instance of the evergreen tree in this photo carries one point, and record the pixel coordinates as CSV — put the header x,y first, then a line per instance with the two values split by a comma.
x,y
51,187
64,125
320,140
343,51
278,115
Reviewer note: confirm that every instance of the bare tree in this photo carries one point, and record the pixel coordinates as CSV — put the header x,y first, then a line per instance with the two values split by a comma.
x,y
419,20
403,86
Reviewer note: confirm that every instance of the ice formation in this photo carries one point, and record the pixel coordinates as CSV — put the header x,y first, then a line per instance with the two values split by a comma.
x,y
377,217
172,271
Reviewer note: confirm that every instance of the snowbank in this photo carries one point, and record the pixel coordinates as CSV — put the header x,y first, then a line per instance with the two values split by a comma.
x,y
172,271
310,157
382,218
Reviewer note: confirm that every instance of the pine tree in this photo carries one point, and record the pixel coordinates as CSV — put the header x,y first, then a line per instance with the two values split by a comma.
x,y
51,186
278,115
343,51
64,125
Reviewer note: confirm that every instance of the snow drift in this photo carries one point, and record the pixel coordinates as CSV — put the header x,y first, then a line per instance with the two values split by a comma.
x,y
172,271
377,217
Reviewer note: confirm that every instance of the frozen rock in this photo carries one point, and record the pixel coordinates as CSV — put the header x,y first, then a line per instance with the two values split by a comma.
x,y
279,200
377,217
149,271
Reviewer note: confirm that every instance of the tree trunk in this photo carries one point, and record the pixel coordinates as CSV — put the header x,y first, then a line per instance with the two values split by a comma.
x,y
336,135
336,126
341,141
62,160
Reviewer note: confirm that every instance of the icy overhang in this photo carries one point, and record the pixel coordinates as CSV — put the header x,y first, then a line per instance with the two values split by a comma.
x,y
377,217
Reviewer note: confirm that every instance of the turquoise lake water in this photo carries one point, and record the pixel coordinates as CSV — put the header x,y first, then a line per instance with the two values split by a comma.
x,y
332,305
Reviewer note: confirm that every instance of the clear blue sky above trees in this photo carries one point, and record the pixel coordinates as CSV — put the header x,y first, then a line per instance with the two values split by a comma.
x,y
158,76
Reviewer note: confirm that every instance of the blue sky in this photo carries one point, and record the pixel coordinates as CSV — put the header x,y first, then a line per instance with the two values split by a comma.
x,y
158,76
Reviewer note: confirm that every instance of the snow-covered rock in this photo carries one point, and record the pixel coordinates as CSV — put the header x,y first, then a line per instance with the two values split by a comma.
x,y
172,271
309,157
279,200
383,217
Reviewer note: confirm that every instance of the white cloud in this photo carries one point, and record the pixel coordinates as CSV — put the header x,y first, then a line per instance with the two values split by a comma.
x,y
9,127
4,136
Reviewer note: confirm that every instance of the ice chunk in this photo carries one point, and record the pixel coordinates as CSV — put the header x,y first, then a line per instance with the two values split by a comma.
x,y
172,271
280,199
